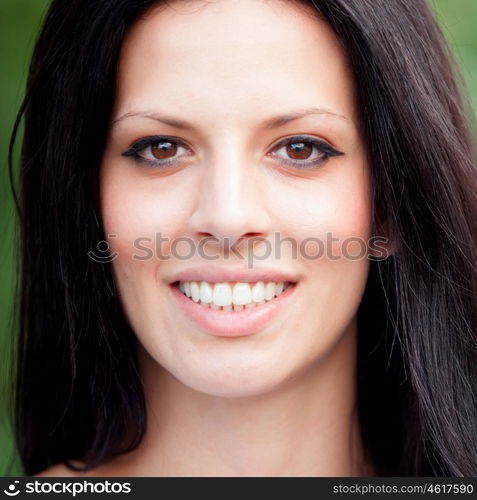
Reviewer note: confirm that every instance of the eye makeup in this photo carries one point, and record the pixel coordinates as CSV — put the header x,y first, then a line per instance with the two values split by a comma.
x,y
148,150
321,147
151,151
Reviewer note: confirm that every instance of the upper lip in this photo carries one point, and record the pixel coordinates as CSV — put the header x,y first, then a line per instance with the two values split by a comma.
x,y
223,274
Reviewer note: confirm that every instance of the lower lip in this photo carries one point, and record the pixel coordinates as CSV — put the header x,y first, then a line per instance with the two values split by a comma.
x,y
233,323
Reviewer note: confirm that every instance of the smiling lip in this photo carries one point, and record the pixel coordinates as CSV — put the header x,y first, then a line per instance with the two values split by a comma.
x,y
232,323
221,275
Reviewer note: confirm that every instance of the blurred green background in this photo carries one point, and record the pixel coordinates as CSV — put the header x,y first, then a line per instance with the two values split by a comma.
x,y
19,24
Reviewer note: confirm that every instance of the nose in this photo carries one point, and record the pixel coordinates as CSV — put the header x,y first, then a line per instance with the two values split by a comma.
x,y
230,205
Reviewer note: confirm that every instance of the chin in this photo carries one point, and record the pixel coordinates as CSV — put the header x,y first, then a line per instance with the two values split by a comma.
x,y
229,382
232,389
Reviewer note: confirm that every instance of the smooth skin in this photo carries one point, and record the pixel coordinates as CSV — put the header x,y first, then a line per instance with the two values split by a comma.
x,y
280,402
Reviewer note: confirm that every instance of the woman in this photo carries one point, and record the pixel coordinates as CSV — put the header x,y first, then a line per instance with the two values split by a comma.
x,y
184,166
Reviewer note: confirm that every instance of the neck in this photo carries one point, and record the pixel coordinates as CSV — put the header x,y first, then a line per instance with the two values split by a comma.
x,y
307,427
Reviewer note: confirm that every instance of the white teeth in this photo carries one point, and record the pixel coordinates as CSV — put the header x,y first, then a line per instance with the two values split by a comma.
x,y
222,294
242,294
232,297
269,291
206,292
194,290
258,292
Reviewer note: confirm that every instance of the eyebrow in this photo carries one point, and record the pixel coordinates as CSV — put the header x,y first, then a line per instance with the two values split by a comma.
x,y
274,122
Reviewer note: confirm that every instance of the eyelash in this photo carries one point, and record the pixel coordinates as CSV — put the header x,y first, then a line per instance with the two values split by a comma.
x,y
318,145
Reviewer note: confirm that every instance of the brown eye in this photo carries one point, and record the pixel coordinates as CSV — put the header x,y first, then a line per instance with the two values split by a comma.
x,y
299,150
304,152
163,150
159,151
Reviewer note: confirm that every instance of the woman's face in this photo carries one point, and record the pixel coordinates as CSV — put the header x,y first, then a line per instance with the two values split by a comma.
x,y
213,102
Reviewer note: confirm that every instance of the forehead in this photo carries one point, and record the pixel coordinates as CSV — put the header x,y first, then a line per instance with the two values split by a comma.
x,y
233,57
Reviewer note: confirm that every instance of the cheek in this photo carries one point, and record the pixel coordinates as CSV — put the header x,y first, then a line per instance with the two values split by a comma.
x,y
143,215
133,215
330,218
334,209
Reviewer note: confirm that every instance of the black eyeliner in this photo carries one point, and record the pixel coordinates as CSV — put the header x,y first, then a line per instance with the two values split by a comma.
x,y
323,146
147,141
